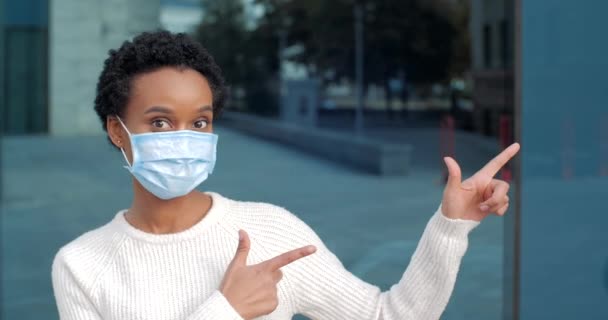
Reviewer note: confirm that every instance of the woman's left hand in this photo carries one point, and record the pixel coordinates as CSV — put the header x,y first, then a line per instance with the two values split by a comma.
x,y
479,195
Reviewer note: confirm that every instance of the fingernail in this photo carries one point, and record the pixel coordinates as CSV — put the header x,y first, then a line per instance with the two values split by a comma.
x,y
311,249
240,235
484,207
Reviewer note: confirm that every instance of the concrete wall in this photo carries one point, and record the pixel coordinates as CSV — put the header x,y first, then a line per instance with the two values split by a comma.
x,y
80,34
300,102
365,154
492,88
490,12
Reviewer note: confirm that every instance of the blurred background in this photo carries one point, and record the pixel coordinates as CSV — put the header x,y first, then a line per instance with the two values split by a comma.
x,y
343,110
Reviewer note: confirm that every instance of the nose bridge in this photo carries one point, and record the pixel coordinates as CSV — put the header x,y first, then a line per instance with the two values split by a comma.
x,y
181,125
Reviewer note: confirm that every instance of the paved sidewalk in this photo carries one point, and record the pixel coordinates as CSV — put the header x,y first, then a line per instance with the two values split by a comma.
x,y
57,188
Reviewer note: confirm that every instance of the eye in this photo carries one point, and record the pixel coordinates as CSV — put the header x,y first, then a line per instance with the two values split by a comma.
x,y
159,123
200,124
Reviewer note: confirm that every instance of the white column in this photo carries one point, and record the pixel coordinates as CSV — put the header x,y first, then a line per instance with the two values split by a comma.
x,y
80,34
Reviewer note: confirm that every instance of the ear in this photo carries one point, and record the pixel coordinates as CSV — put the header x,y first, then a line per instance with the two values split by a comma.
x,y
115,131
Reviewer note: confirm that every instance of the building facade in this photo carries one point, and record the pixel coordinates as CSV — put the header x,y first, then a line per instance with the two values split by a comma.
x,y
23,66
491,28
52,54
81,32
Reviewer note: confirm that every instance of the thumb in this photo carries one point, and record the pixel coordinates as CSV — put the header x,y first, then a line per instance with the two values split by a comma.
x,y
454,173
240,258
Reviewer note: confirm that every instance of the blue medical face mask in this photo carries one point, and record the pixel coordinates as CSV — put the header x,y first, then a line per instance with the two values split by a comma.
x,y
171,164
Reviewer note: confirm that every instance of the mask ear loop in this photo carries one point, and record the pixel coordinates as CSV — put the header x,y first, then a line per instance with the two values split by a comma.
x,y
123,150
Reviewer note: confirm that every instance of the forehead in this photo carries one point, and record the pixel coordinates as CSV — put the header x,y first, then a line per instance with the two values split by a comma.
x,y
170,86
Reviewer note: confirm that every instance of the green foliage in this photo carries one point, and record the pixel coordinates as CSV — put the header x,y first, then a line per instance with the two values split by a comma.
x,y
428,40
247,57
398,34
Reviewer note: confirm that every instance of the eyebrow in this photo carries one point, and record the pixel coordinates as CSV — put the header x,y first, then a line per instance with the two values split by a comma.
x,y
168,111
158,109
205,108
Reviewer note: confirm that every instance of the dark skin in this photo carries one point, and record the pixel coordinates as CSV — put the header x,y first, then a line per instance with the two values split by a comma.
x,y
166,99
170,99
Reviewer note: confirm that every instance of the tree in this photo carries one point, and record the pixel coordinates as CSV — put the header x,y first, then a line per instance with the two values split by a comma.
x,y
224,20
410,36
245,56
422,39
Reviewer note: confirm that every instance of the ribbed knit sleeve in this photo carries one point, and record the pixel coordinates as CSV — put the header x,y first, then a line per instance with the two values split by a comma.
x,y
215,307
73,300
324,289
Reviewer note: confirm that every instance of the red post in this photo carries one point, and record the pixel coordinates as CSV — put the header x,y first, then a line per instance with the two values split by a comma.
x,y
506,139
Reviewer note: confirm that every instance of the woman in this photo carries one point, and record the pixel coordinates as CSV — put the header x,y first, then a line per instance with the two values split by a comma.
x,y
177,253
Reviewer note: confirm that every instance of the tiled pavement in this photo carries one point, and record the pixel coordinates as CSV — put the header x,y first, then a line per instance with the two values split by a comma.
x,y
57,188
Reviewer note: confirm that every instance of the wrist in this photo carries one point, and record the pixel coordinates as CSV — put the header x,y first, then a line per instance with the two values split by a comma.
x,y
453,226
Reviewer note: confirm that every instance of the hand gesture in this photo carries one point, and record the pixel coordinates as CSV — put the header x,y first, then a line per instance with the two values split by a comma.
x,y
479,195
251,290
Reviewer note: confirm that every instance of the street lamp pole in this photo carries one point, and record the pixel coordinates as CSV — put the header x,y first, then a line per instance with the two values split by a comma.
x,y
281,54
282,34
358,12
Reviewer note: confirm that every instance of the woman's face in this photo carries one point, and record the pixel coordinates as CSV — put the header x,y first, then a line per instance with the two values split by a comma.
x,y
166,99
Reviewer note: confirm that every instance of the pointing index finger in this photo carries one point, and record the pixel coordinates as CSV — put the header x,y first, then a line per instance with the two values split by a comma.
x,y
492,167
288,257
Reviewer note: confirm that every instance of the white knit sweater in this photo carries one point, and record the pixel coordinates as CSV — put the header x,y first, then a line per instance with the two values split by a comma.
x,y
119,272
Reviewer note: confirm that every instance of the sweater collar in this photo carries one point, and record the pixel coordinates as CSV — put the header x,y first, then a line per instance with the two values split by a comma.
x,y
215,213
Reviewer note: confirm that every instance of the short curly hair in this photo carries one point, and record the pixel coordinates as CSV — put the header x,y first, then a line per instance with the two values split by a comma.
x,y
147,52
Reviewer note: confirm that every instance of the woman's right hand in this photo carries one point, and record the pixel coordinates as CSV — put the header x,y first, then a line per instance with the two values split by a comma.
x,y
252,290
